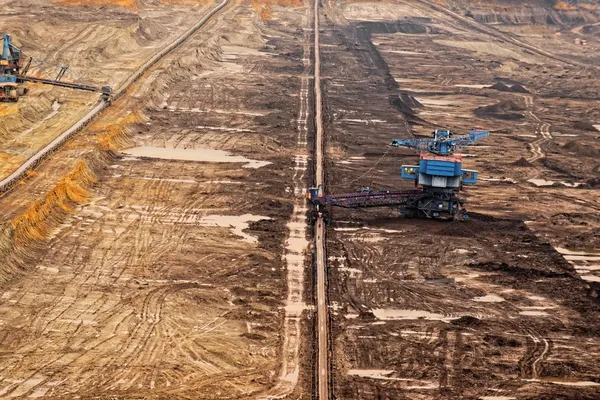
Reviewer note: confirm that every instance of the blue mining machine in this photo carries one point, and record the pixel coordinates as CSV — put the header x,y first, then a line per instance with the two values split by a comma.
x,y
438,179
13,73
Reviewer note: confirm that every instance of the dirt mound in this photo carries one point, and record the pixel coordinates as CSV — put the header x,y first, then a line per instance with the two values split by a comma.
x,y
585,126
403,104
581,149
467,321
593,30
502,110
593,183
585,240
410,100
501,341
411,28
118,45
457,229
516,88
522,162
150,31
508,81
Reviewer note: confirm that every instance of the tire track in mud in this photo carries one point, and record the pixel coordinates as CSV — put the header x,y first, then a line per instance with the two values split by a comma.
x,y
297,243
142,344
537,350
542,128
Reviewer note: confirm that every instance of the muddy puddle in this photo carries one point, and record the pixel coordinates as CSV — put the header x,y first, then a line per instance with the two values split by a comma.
x,y
544,182
397,314
565,382
585,262
497,398
533,313
474,86
237,223
202,155
384,374
440,103
406,52
490,298
371,373
590,278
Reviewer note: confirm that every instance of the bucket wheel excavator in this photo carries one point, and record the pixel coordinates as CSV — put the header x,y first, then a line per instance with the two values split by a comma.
x,y
438,179
13,74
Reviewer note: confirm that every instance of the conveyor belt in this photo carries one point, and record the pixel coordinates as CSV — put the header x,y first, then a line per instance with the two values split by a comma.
x,y
369,199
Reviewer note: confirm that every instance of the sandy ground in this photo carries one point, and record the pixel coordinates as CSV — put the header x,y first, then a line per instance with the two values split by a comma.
x,y
170,280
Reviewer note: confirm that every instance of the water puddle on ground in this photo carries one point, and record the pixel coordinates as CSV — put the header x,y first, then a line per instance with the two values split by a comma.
x,y
490,298
394,314
461,251
363,121
205,155
509,180
237,223
543,182
583,258
371,373
55,110
536,298
407,52
437,102
590,278
537,307
581,252
473,86
467,277
565,382
384,375
588,268
584,261
497,398
533,313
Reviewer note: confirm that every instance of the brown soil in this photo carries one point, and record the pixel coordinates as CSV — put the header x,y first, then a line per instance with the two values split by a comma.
x,y
136,266
475,309
502,110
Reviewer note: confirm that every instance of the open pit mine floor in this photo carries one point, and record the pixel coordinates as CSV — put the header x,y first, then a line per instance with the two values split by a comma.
x,y
166,250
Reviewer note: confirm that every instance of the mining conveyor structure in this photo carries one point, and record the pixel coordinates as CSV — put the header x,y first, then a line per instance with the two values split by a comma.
x,y
438,179
13,73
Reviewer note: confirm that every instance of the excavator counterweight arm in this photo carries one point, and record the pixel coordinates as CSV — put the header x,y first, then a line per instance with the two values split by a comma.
x,y
443,143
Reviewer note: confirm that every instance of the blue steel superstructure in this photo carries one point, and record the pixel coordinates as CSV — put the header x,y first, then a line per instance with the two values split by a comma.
x,y
438,179
10,63
440,173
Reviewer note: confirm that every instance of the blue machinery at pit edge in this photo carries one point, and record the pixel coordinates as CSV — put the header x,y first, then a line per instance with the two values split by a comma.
x,y
438,179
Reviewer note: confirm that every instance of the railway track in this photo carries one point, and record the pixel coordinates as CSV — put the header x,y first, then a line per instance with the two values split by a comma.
x,y
322,309
8,182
